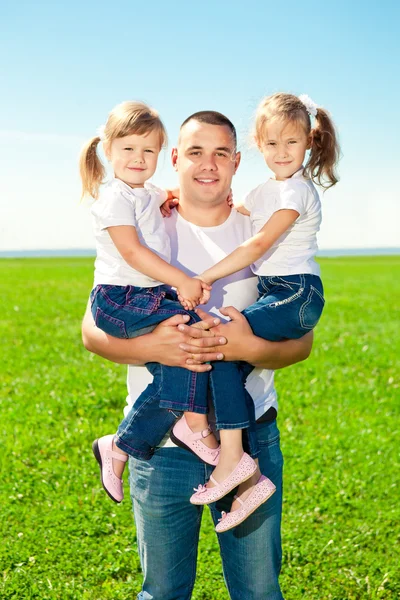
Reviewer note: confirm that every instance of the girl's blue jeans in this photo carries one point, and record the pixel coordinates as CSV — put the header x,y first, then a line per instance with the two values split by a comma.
x,y
287,308
127,312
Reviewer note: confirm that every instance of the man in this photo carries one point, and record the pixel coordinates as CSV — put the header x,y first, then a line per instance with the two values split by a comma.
x,y
203,229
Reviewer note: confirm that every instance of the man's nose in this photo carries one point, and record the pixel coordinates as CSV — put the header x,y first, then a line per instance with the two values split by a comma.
x,y
208,162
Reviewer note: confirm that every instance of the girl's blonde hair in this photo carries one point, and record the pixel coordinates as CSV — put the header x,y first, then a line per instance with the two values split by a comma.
x,y
125,119
325,150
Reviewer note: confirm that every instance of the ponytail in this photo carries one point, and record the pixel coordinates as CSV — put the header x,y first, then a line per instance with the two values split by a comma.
x,y
325,150
91,169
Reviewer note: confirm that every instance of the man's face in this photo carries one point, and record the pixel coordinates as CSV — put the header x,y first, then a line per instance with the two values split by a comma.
x,y
206,160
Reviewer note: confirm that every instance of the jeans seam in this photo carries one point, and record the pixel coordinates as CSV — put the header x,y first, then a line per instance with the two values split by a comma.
x,y
291,298
139,410
242,425
304,306
318,293
113,320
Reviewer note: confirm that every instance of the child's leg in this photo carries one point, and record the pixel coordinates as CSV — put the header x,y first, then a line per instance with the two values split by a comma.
x,y
235,417
288,307
199,422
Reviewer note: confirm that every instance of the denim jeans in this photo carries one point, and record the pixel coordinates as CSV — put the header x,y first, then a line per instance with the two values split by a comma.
x,y
168,526
287,308
127,312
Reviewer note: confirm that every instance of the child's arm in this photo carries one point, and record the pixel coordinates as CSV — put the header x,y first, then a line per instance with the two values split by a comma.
x,y
242,209
145,261
254,248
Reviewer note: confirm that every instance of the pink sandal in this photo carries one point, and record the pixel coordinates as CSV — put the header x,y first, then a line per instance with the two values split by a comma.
x,y
103,452
184,437
245,468
263,490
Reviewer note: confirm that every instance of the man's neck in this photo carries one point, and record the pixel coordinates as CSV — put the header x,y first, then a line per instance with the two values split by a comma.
x,y
204,215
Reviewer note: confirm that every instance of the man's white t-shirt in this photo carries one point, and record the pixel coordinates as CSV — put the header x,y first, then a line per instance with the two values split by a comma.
x,y
193,250
294,252
119,204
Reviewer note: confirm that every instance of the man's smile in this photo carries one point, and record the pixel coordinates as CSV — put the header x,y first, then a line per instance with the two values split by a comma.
x,y
206,180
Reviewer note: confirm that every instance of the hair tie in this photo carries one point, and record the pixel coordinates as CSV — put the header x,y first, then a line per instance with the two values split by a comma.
x,y
311,106
101,132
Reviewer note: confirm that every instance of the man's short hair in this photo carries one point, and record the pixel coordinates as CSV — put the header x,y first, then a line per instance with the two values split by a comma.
x,y
212,117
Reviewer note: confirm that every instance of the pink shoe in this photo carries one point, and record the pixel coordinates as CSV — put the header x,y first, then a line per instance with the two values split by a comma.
x,y
102,449
184,437
263,490
245,468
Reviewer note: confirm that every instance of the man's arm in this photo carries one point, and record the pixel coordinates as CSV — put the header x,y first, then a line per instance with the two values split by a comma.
x,y
242,344
163,345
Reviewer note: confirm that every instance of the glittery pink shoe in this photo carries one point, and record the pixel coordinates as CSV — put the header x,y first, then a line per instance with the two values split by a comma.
x,y
245,468
263,490
102,449
184,437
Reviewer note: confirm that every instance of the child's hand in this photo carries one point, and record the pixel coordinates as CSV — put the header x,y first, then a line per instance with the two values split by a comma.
x,y
167,206
192,292
206,293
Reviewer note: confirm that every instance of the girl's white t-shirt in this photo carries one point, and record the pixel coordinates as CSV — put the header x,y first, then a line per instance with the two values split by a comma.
x,y
119,204
193,250
294,252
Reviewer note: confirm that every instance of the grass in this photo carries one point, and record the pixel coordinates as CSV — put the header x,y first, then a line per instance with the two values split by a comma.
x,y
338,418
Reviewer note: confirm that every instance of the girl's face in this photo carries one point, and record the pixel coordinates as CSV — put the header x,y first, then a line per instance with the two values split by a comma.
x,y
134,157
284,147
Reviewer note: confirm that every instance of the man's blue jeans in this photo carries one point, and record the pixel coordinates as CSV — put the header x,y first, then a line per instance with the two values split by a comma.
x,y
168,526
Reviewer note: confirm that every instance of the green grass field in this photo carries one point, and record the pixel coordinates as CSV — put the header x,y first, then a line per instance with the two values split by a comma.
x,y
339,419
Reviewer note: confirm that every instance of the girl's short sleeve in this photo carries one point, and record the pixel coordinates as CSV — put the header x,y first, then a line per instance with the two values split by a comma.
x,y
160,194
249,200
293,196
114,208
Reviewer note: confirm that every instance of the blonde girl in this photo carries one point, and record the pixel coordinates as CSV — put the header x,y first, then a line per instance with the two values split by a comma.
x,y
285,212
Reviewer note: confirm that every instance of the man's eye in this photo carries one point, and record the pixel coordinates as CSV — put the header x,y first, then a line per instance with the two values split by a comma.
x,y
195,153
221,154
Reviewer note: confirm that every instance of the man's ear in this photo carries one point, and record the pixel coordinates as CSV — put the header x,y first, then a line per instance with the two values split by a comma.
x,y
174,158
238,158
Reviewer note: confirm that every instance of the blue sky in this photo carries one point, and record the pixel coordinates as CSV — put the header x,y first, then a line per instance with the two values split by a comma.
x,y
65,65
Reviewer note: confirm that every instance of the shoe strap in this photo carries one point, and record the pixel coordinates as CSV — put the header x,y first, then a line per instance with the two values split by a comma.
x,y
239,500
199,435
213,480
118,456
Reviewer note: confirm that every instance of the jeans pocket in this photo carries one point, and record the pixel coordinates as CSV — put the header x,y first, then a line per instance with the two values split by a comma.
x,y
311,310
144,302
109,324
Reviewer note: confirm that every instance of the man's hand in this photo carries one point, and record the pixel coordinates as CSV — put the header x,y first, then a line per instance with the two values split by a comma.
x,y
167,206
242,344
171,202
237,331
179,345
